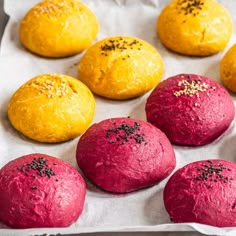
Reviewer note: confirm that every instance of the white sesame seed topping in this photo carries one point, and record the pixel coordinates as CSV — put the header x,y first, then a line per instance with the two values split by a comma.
x,y
50,87
191,88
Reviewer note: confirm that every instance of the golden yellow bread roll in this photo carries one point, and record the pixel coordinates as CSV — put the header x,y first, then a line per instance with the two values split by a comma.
x,y
121,67
228,69
58,28
51,108
194,27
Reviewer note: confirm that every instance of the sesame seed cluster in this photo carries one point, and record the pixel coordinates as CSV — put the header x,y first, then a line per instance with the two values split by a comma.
x,y
58,8
120,45
49,87
191,87
39,166
124,133
189,7
213,173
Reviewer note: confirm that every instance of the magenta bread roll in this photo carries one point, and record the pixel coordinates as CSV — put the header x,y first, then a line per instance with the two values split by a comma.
x,y
203,192
38,190
190,109
122,155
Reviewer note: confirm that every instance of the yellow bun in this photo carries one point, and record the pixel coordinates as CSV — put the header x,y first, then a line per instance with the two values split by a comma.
x,y
194,27
51,108
121,67
228,69
58,28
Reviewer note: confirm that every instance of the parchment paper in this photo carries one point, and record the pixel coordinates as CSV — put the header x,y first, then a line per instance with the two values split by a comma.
x,y
138,211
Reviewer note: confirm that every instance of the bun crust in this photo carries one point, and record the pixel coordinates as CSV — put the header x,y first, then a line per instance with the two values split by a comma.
x,y
121,155
38,190
228,69
121,67
51,108
190,109
58,28
203,192
197,28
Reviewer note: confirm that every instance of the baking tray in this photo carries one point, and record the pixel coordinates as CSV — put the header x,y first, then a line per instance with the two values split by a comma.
x,y
141,211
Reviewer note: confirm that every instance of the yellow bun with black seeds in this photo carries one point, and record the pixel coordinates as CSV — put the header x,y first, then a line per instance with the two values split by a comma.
x,y
121,67
195,27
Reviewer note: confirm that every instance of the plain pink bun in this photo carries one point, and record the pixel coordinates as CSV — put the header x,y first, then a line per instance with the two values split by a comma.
x,y
190,109
121,155
38,190
203,192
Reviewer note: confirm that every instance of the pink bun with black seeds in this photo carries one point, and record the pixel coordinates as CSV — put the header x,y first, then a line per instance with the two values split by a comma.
x,y
38,190
122,155
203,192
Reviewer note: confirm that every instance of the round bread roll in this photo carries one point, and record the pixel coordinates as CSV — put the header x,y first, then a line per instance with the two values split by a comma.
x,y
203,192
51,108
121,67
121,155
58,28
38,190
194,27
228,69
190,109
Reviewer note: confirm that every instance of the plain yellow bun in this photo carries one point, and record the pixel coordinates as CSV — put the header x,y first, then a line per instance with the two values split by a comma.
x,y
228,69
194,27
58,28
51,108
121,67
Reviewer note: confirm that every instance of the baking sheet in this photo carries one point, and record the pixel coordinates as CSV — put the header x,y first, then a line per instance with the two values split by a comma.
x,y
103,212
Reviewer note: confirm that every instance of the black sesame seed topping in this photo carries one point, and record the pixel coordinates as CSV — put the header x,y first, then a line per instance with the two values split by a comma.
x,y
34,187
119,44
139,138
125,133
190,7
39,166
212,172
49,172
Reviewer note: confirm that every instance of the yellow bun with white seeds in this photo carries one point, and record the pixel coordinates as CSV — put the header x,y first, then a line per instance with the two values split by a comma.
x,y
228,69
51,108
121,67
58,28
195,27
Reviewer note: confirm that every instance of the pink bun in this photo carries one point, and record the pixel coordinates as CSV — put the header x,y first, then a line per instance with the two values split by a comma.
x,y
190,109
203,192
38,190
121,155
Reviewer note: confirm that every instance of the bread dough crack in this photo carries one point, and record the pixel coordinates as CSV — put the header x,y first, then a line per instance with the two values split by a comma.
x,y
203,34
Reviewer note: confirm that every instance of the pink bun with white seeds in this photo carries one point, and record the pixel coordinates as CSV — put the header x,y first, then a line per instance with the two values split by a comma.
x,y
190,109
203,192
122,155
38,190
